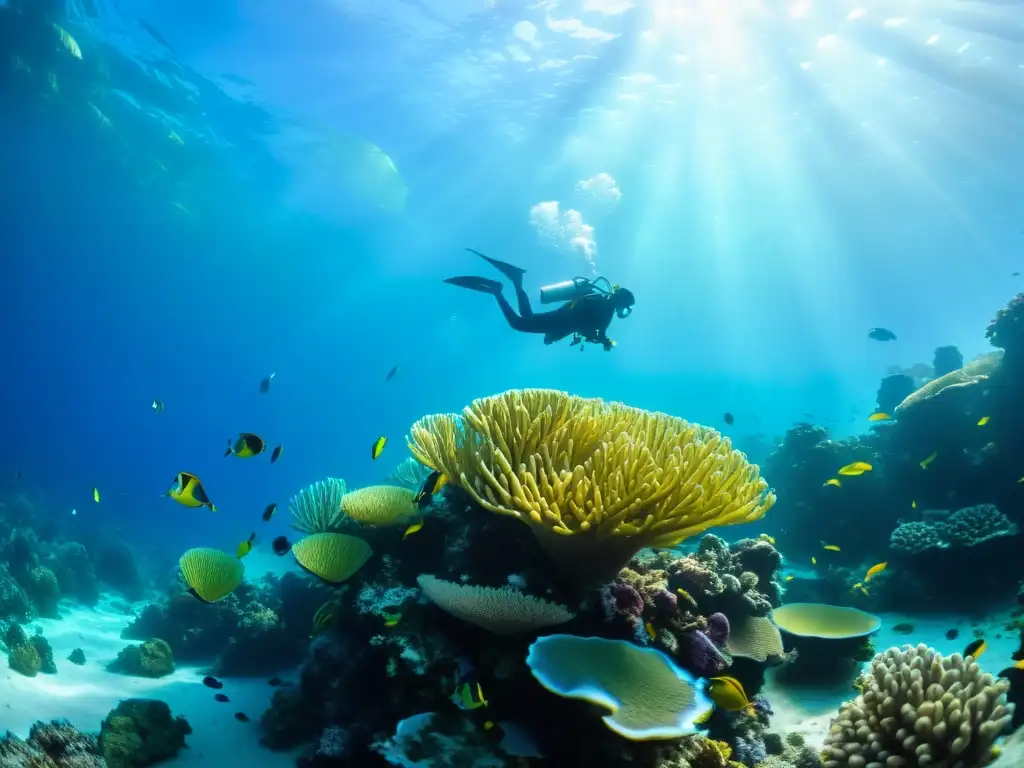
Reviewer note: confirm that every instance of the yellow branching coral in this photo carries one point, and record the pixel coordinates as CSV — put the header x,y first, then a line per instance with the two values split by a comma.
x,y
595,481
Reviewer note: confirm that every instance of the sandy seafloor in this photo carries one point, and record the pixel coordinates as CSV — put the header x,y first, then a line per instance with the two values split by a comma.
x,y
85,694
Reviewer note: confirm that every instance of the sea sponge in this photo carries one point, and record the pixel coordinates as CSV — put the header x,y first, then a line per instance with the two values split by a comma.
x,y
381,505
824,621
754,637
317,508
211,574
595,481
502,610
152,658
141,732
334,557
648,696
919,708
24,659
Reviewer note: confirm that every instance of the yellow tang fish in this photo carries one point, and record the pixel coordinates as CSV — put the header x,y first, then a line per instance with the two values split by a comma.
x,y
790,577
651,633
913,505
189,491
378,447
392,619
728,694
929,460
814,561
856,468
96,495
435,482
246,546
983,421
413,528
876,569
686,595
879,417
834,481
246,446
831,547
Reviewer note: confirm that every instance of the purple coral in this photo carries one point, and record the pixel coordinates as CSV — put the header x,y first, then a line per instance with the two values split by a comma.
x,y
718,629
700,655
620,599
666,602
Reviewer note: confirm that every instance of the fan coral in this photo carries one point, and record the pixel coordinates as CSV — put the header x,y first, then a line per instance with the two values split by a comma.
x,y
409,474
919,708
504,610
595,481
317,508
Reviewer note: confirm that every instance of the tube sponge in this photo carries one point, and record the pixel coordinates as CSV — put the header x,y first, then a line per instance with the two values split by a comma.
x,y
649,696
918,708
595,481
504,611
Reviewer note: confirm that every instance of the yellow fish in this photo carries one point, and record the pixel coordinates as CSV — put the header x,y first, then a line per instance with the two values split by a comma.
x,y
983,421
769,539
68,42
246,446
876,569
864,590
814,561
686,595
831,547
435,482
245,547
879,417
378,447
929,460
466,699
728,694
856,468
650,630
391,619
858,585
412,529
834,481
96,495
913,505
488,724
790,577
189,491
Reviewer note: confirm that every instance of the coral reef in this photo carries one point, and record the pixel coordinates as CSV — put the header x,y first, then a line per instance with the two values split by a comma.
x,y
153,658
947,359
918,707
140,732
967,527
51,745
77,656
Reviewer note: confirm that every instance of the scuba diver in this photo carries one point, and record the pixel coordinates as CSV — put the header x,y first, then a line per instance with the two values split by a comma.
x,y
586,315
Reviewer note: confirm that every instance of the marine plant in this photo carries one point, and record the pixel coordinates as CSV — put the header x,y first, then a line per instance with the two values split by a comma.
x,y
595,481
317,507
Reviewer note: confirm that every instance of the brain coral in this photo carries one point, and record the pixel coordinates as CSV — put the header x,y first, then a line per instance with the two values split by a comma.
x,y
918,708
595,481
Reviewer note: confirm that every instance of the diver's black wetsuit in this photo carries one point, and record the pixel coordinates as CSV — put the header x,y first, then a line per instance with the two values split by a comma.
x,y
588,317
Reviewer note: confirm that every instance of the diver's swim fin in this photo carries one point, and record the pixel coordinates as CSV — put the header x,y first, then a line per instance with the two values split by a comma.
x,y
481,284
512,272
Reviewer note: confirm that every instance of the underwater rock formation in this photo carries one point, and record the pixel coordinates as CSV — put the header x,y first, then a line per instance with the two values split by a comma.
x,y
947,359
893,390
153,658
117,566
51,745
140,732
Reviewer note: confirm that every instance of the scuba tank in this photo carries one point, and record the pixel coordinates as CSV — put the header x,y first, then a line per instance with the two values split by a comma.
x,y
570,290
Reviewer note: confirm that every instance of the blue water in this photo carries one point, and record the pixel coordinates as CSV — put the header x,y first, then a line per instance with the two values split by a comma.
x,y
791,175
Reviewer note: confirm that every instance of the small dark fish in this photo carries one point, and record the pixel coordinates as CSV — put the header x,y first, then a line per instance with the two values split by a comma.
x,y
952,634
281,545
729,419
391,373
274,682
276,454
269,512
975,648
903,629
435,482
265,384
241,717
1015,274
155,35
881,334
221,698
213,682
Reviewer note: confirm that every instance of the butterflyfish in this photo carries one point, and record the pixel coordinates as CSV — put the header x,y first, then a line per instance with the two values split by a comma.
x,y
378,447
435,481
975,648
929,460
468,696
96,495
246,546
983,421
831,547
188,491
265,384
158,406
276,454
834,481
855,469
269,512
879,417
728,694
875,569
413,528
246,446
